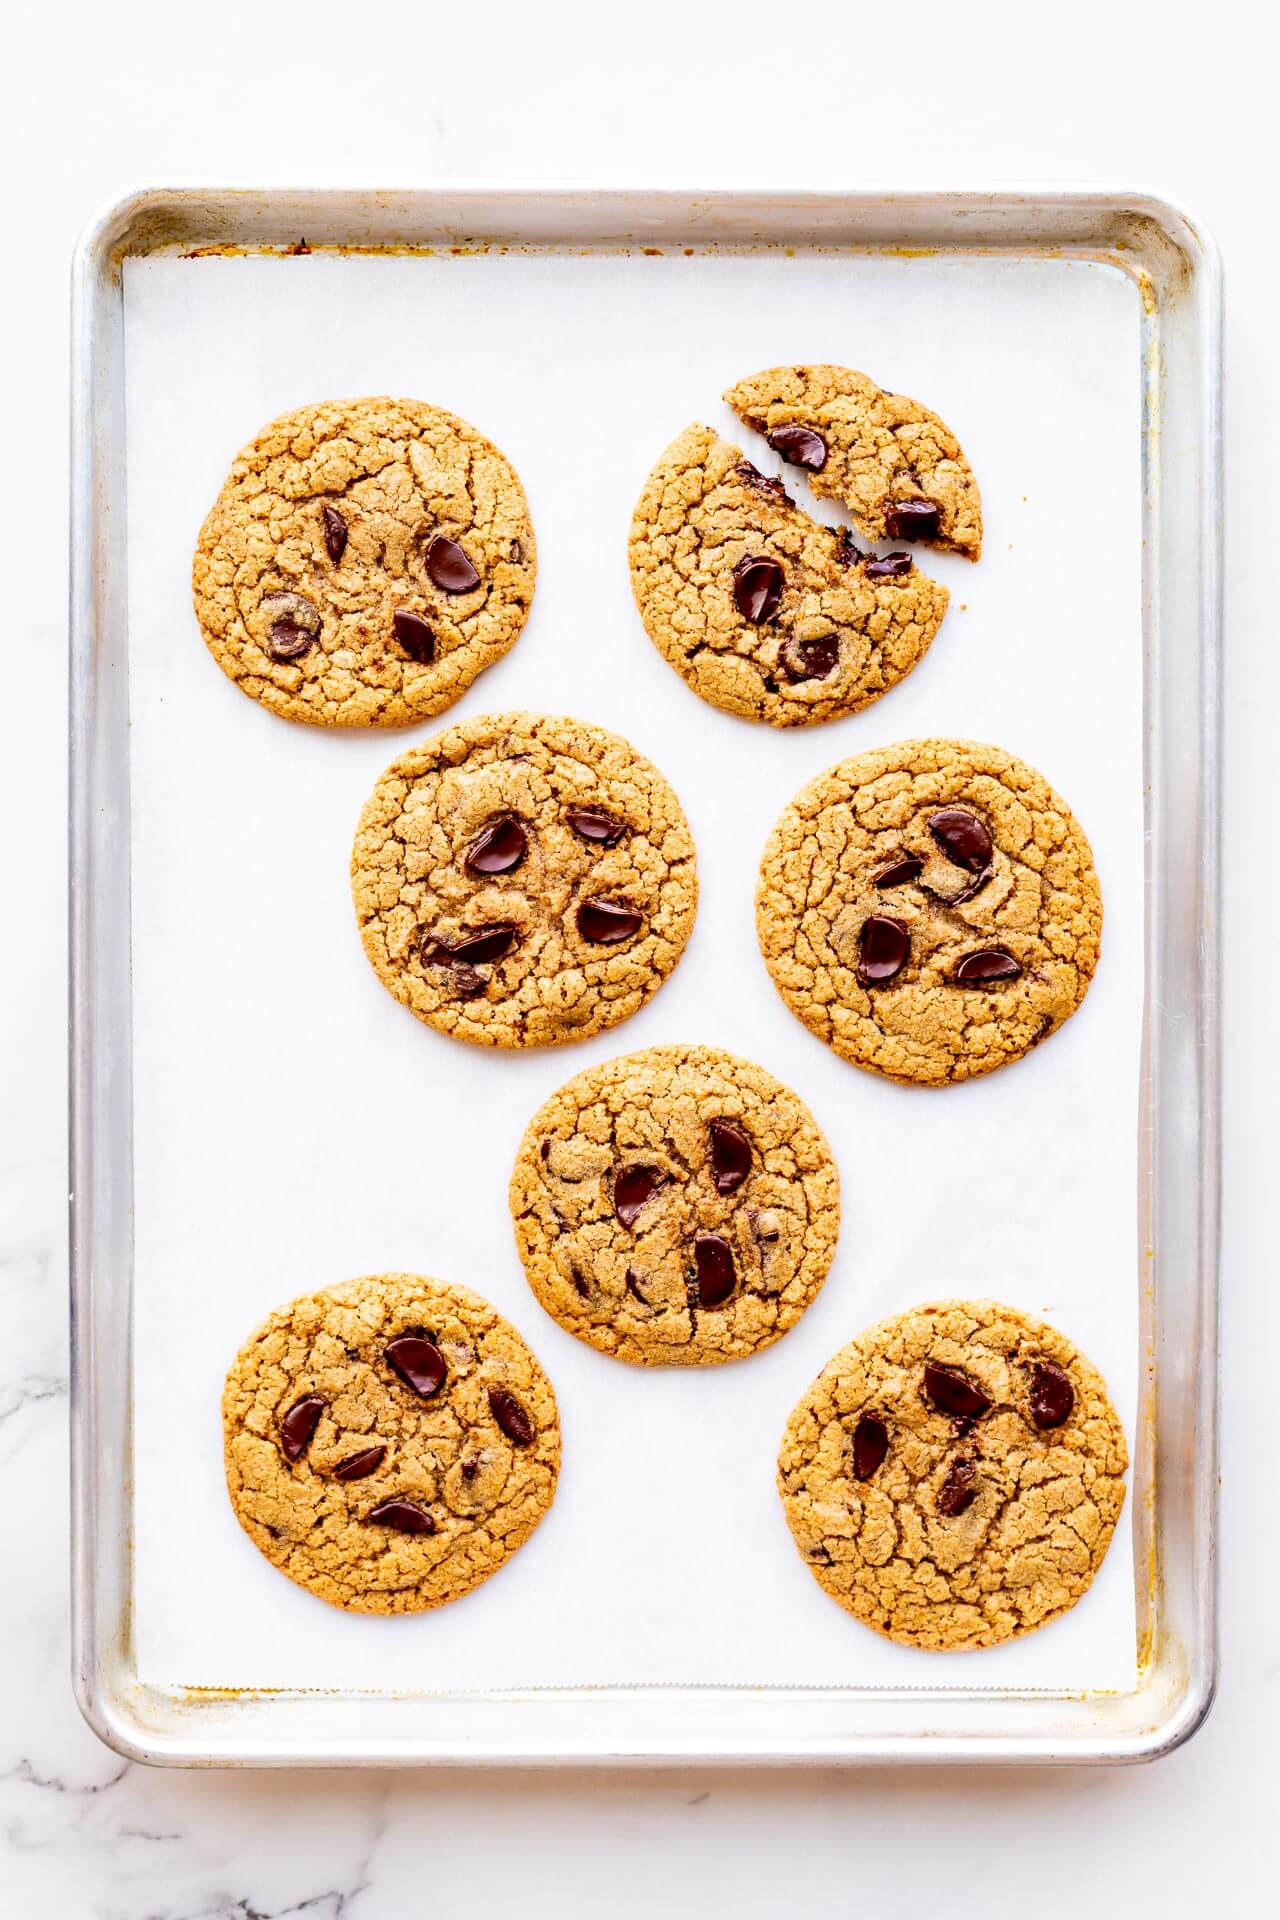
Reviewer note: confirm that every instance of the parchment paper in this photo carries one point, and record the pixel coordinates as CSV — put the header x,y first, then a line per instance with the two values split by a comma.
x,y
295,1126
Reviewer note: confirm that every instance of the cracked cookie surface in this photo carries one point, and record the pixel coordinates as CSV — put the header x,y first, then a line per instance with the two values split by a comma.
x,y
897,467
676,1207
364,561
954,1475
930,910
761,609
522,880
389,1443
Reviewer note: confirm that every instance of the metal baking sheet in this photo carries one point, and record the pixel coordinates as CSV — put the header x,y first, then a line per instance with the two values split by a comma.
x,y
231,1150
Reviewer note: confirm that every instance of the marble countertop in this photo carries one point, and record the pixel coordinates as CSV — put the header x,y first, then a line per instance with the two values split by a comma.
x,y
722,93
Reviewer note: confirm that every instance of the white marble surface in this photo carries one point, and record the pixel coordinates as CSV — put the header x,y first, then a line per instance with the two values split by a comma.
x,y
105,97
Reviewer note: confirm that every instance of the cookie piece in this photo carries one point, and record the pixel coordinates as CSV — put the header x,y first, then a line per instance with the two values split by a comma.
x,y
930,910
897,467
954,1475
520,880
676,1207
365,560
389,1443
762,610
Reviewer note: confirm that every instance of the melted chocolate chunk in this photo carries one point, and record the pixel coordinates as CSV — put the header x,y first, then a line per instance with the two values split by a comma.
x,y
404,1515
883,951
634,1288
870,1445
959,1489
800,447
963,838
975,886
449,567
419,1363
757,588
953,1392
713,1258
898,872
889,566
335,533
601,829
765,484
511,1416
298,1425
911,520
288,641
414,635
992,964
295,625
730,1155
633,1186
811,659
848,552
1052,1394
499,847
358,1466
470,950
606,922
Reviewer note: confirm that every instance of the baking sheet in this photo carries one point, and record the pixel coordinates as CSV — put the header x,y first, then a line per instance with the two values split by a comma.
x,y
294,1126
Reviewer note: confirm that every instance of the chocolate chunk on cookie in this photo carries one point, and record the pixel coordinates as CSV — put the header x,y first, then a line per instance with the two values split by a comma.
x,y
389,1443
364,561
676,1207
954,1475
521,881
930,910
761,609
897,467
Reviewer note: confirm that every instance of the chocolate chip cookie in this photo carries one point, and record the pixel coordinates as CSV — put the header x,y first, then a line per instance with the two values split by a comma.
x,y
521,881
676,1207
897,467
761,609
389,1443
930,910
365,560
954,1475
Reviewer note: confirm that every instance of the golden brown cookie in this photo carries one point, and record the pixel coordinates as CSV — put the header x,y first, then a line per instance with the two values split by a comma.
x,y
676,1207
389,1443
365,560
762,610
954,1475
521,880
897,467
930,909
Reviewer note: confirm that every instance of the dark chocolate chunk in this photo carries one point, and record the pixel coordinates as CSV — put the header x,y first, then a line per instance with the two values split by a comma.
x,y
897,872
606,922
404,1515
959,1489
713,1258
963,838
633,1185
992,964
295,625
976,885
634,1288
511,1416
757,588
911,520
889,566
335,533
476,948
449,566
599,828
730,1155
419,1362
415,636
298,1425
800,446
1052,1394
953,1392
358,1466
288,641
870,1445
811,659
766,484
848,553
884,949
498,847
